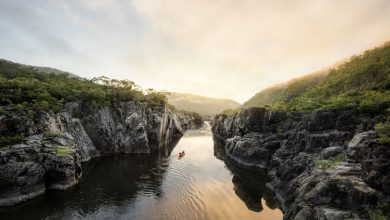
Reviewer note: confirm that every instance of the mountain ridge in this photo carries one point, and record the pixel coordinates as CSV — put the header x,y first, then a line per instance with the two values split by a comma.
x,y
348,82
201,104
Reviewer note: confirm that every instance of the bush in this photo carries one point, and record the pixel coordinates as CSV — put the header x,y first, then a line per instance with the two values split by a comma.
x,y
23,84
19,107
363,82
62,151
11,140
330,164
2,110
383,130
231,112
53,134
379,212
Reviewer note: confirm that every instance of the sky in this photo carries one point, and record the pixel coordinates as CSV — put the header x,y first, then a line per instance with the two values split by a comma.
x,y
218,48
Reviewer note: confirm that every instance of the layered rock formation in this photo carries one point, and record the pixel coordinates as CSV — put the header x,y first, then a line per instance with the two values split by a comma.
x,y
191,122
50,156
326,164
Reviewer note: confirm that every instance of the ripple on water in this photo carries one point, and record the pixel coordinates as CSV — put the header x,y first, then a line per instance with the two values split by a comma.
x,y
198,186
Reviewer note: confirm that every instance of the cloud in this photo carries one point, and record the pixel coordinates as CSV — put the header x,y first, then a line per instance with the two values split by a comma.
x,y
223,48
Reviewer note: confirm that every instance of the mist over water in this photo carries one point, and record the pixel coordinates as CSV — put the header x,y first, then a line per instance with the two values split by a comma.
x,y
196,186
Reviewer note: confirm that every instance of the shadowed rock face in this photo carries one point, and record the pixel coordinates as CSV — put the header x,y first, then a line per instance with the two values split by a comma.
x,y
288,145
50,158
106,181
249,183
28,169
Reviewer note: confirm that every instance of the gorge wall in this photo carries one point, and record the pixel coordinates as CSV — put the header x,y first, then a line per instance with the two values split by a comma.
x,y
326,164
51,154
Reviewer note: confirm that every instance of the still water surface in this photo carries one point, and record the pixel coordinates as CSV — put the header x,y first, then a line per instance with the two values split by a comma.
x,y
197,186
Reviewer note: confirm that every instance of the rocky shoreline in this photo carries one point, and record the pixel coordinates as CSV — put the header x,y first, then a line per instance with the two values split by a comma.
x,y
51,155
326,164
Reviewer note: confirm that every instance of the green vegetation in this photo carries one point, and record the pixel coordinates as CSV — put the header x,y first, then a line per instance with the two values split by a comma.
x,y
205,106
24,86
231,112
379,212
62,151
274,95
10,140
383,130
363,82
196,117
330,164
26,89
53,134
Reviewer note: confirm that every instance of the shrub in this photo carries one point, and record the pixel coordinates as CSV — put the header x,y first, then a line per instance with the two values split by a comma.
x,y
62,151
383,130
19,107
53,134
363,82
44,105
379,212
11,140
2,110
231,112
330,164
23,84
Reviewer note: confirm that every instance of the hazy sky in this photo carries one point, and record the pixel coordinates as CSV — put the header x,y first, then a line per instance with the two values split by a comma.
x,y
221,48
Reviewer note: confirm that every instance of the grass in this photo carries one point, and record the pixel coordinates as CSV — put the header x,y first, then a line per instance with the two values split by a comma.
x,y
330,164
383,130
362,83
11,140
58,150
62,151
53,134
378,213
231,112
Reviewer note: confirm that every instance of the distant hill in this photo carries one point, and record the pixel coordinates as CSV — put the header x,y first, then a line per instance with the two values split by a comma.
x,y
49,70
23,86
200,104
275,93
362,81
40,69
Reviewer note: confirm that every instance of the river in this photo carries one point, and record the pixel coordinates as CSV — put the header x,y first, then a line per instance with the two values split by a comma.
x,y
196,186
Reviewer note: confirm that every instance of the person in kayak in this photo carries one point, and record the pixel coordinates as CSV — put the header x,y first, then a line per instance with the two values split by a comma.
x,y
181,154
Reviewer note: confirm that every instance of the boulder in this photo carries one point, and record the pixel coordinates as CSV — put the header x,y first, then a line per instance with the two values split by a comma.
x,y
330,152
376,163
354,150
41,163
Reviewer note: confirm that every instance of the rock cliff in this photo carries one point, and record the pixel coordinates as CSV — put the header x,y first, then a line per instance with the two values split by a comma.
x,y
50,156
326,164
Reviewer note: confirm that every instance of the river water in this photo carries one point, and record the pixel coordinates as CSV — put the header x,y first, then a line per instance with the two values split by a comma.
x,y
196,186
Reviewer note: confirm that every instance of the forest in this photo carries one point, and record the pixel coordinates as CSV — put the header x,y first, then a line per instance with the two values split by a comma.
x,y
23,86
363,83
25,90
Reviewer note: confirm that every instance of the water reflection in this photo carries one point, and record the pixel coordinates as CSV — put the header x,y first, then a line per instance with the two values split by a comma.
x,y
108,186
249,183
198,186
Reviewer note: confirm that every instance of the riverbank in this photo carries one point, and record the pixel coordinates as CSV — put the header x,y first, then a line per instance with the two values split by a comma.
x,y
326,164
151,186
50,157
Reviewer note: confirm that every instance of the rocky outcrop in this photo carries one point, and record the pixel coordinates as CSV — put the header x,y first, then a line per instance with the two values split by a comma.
x,y
326,164
42,162
188,121
50,156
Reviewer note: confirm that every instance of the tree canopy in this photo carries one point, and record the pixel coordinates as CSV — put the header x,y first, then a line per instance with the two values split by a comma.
x,y
22,85
363,82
